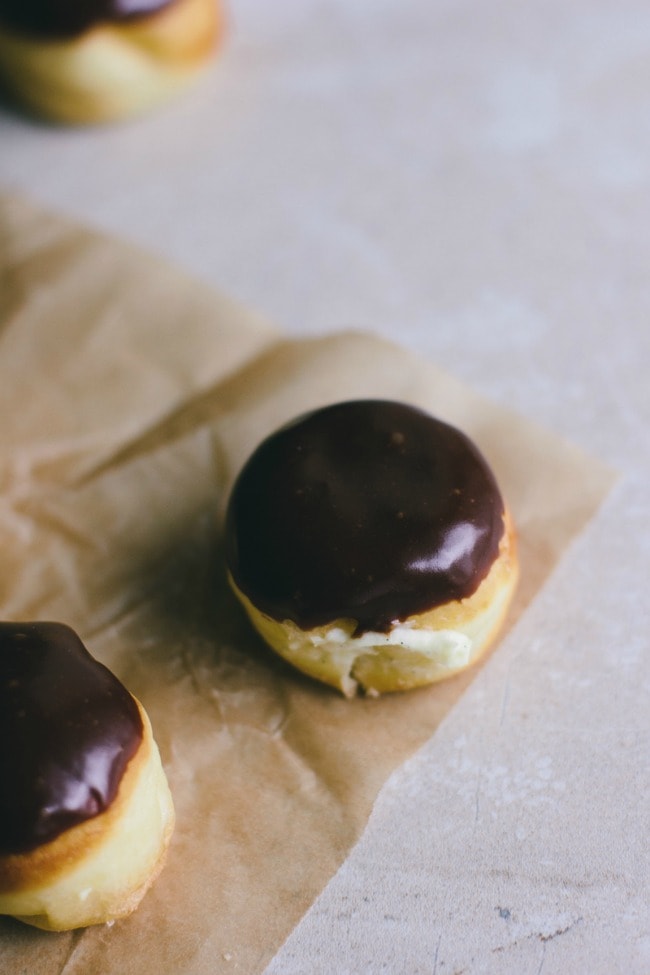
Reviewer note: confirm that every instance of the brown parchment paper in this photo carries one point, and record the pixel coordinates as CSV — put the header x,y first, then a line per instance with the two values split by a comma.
x,y
129,397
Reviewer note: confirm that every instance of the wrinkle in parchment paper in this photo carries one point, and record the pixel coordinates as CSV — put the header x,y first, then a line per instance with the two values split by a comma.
x,y
130,396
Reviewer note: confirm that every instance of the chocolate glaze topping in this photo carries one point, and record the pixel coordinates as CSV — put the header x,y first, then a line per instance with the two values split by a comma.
x,y
366,510
59,19
68,728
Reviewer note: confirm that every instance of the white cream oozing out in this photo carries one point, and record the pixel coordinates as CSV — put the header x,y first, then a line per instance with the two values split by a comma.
x,y
448,648
426,653
408,655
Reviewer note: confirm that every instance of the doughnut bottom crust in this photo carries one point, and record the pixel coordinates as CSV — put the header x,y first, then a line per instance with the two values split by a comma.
x,y
101,869
114,70
422,649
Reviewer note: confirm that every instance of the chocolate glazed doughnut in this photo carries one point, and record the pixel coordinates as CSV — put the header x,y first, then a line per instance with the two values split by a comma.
x,y
55,19
85,810
101,60
371,546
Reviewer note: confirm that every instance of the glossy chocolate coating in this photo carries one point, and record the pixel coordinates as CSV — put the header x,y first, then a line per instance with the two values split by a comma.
x,y
367,510
59,19
68,728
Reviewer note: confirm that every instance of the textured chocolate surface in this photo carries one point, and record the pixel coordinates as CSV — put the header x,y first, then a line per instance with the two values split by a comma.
x,y
58,19
367,510
68,728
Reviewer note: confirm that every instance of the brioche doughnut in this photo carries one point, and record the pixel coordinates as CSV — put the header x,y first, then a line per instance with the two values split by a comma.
x,y
86,815
102,60
370,546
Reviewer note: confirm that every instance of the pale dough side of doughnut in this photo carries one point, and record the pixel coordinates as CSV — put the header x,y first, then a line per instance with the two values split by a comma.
x,y
101,869
115,69
420,650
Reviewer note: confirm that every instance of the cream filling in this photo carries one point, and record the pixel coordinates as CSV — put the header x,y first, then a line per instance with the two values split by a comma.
x,y
408,655
449,649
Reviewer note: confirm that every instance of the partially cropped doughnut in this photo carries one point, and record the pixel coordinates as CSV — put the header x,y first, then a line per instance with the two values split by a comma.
x,y
370,545
86,815
103,60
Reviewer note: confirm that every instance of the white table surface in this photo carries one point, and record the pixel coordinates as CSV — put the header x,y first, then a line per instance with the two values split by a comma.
x,y
473,181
